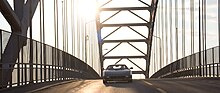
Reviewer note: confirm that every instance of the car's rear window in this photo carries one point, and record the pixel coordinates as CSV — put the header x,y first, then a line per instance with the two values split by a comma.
x,y
117,67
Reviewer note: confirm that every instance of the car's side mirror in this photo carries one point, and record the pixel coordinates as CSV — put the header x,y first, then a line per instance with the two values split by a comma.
x,y
131,67
103,69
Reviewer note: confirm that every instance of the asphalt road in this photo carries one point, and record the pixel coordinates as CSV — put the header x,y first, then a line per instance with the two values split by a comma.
x,y
139,86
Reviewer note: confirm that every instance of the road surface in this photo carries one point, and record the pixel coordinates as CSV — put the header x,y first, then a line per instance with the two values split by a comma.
x,y
139,86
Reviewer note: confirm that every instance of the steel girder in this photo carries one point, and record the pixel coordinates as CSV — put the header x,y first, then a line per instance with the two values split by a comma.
x,y
151,8
19,20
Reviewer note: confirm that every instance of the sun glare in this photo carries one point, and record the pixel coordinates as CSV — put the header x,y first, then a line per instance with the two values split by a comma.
x,y
87,8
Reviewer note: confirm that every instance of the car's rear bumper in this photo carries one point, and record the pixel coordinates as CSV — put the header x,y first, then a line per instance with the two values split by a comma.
x,y
117,78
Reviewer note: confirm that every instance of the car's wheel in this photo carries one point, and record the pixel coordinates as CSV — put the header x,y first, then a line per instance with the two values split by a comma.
x,y
130,81
104,82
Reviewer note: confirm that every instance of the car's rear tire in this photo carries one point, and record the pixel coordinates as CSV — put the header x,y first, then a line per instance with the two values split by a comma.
x,y
104,82
130,81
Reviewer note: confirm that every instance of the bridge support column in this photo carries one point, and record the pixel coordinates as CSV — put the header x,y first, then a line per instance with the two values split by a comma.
x,y
19,21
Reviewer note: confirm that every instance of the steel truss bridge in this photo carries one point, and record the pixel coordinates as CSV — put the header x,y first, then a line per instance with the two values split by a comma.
x,y
51,41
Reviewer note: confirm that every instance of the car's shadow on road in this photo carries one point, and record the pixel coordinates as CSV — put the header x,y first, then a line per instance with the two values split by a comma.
x,y
119,84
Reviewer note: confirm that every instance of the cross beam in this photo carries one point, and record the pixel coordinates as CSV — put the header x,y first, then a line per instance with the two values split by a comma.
x,y
151,8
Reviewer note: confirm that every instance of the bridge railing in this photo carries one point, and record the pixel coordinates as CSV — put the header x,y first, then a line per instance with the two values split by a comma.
x,y
191,66
47,65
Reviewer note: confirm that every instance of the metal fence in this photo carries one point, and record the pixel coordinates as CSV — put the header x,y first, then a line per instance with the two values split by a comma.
x,y
205,64
48,64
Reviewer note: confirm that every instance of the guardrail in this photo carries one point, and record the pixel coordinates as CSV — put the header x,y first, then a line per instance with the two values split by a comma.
x,y
191,66
48,64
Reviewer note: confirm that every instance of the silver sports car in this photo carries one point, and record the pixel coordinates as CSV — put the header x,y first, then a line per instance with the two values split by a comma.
x,y
119,72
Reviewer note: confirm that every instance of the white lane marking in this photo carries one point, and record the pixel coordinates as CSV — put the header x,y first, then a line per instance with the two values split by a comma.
x,y
148,83
161,90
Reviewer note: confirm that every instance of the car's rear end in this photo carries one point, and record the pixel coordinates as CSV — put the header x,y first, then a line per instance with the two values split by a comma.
x,y
117,75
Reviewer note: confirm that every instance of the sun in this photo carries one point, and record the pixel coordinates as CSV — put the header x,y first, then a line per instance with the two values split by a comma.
x,y
87,8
